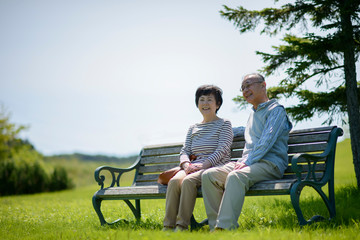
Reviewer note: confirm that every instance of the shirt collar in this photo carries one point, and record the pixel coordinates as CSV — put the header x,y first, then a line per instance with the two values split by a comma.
x,y
263,105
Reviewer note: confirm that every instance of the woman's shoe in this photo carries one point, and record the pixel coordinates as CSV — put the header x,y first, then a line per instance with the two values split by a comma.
x,y
167,229
180,228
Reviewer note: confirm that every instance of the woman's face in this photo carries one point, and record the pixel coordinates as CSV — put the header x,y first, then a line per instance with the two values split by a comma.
x,y
207,105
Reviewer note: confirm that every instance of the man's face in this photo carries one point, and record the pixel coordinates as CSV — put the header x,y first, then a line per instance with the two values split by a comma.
x,y
252,89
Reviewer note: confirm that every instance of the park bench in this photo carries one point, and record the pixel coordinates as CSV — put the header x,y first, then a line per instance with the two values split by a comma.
x,y
311,163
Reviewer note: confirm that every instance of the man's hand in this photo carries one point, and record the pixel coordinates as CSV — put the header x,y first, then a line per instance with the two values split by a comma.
x,y
239,165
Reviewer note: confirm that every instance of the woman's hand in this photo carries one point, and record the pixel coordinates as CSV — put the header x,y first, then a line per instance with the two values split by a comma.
x,y
185,165
193,168
197,166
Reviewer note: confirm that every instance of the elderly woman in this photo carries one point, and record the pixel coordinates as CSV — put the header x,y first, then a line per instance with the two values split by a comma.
x,y
209,141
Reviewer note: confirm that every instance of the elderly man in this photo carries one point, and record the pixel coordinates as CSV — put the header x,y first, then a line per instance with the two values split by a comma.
x,y
264,157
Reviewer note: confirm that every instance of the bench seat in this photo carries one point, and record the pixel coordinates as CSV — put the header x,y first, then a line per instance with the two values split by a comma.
x,y
276,187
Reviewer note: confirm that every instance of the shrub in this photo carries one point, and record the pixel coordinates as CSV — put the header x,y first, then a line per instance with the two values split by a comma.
x,y
59,180
28,178
21,166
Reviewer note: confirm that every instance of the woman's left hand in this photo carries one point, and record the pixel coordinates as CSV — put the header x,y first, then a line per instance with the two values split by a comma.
x,y
194,168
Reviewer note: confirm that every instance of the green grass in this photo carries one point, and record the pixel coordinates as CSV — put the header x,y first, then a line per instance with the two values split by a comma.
x,y
344,168
70,215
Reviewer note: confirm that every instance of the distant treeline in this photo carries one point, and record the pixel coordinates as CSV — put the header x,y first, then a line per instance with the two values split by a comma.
x,y
94,158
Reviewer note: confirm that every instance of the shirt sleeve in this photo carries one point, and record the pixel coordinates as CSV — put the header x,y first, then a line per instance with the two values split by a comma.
x,y
224,145
186,149
274,126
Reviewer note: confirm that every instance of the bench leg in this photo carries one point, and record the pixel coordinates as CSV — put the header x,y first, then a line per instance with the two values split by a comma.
x,y
329,202
331,205
97,206
295,197
194,225
136,210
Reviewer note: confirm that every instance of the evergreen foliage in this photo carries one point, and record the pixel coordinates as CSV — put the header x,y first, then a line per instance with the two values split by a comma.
x,y
59,180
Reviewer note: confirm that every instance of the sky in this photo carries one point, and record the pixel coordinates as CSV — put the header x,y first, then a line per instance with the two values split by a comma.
x,y
110,77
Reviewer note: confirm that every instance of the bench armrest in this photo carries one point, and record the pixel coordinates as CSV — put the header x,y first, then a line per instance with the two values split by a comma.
x,y
311,159
115,180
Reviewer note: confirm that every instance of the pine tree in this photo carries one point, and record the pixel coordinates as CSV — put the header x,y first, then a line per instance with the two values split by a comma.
x,y
327,57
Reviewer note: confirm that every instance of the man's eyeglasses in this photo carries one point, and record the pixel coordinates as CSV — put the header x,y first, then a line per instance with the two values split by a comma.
x,y
246,86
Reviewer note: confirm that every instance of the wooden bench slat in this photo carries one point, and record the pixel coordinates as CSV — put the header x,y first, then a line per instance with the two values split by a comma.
x,y
147,178
175,148
159,191
152,178
304,161
311,130
288,171
293,149
236,154
308,148
321,137
166,145
161,151
278,187
157,160
238,145
175,159
239,138
157,168
318,176
305,168
149,183
163,167
133,192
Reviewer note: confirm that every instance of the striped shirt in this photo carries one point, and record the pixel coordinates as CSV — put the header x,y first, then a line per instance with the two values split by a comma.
x,y
208,141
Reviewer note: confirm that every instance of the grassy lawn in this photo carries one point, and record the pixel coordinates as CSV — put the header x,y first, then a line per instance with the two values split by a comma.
x,y
70,215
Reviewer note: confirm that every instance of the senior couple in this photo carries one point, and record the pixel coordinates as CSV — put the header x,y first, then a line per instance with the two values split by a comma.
x,y
224,182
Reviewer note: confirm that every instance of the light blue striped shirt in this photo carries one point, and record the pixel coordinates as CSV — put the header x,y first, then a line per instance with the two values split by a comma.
x,y
267,134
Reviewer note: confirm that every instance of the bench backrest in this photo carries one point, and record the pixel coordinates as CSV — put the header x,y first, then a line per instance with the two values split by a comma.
x,y
156,159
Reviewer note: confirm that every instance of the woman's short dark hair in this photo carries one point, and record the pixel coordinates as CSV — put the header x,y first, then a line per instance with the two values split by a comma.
x,y
207,90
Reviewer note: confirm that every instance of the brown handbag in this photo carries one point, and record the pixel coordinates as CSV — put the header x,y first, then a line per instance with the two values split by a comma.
x,y
165,176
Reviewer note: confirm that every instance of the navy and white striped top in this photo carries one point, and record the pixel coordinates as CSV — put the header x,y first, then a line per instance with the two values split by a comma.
x,y
208,141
